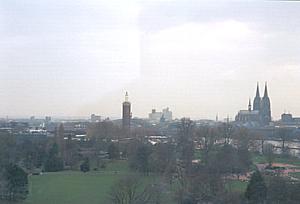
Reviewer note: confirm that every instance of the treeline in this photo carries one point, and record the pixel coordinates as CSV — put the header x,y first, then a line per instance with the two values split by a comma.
x,y
224,158
21,156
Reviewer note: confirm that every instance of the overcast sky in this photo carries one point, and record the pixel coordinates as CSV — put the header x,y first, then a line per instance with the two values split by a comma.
x,y
200,58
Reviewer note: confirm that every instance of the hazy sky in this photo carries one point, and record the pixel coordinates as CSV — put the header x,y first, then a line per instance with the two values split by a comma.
x,y
200,58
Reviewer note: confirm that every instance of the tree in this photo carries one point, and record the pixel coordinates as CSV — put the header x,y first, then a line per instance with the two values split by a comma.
x,y
72,156
278,190
185,143
269,153
140,158
226,131
256,191
14,183
206,186
244,158
32,152
284,134
85,166
7,148
53,162
113,151
162,158
130,190
60,140
207,137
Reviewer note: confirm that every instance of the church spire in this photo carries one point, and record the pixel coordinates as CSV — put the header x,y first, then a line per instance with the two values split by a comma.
x,y
249,105
126,97
266,90
257,90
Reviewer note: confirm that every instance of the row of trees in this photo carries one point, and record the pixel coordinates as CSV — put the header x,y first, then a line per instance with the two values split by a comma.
x,y
196,182
13,178
225,155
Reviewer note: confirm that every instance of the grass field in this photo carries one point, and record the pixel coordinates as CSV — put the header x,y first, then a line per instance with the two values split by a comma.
x,y
75,187
258,158
70,187
237,186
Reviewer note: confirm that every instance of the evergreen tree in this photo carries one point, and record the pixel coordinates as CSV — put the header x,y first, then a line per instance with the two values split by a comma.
x,y
15,183
85,166
54,162
256,191
113,151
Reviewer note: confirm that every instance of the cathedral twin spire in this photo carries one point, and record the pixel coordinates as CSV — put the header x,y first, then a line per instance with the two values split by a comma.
x,y
262,105
265,93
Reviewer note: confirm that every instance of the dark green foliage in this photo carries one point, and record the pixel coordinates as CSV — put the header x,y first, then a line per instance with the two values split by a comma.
x,y
53,162
269,153
113,151
14,183
85,166
256,191
185,143
163,158
140,158
228,160
33,152
206,186
7,148
294,195
278,190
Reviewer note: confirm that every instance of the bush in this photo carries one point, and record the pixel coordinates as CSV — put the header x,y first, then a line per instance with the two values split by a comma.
x,y
85,166
54,164
14,183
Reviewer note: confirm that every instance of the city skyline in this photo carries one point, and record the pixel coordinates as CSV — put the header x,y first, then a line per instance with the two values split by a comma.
x,y
198,58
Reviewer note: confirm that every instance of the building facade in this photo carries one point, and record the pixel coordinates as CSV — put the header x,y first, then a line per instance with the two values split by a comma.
x,y
165,115
261,112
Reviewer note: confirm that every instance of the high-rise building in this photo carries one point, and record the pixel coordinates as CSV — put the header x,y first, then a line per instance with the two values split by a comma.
x,y
155,116
126,117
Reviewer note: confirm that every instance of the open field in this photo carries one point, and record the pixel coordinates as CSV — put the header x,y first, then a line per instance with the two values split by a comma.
x,y
93,187
258,158
70,187
237,186
75,187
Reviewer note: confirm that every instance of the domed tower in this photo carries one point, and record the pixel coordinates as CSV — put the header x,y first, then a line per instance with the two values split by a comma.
x,y
257,100
126,117
265,108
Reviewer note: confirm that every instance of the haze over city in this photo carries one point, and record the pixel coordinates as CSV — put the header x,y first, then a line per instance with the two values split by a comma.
x,y
74,59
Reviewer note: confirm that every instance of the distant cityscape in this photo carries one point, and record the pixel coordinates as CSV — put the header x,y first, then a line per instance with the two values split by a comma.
x,y
257,117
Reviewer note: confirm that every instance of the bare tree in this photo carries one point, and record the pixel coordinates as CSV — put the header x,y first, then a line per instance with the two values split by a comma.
x,y
269,153
285,135
130,190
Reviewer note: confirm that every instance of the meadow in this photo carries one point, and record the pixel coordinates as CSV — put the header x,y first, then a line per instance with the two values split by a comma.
x,y
74,186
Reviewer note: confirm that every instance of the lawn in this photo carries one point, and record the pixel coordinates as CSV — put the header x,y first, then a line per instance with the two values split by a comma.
x,y
75,187
258,158
237,186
